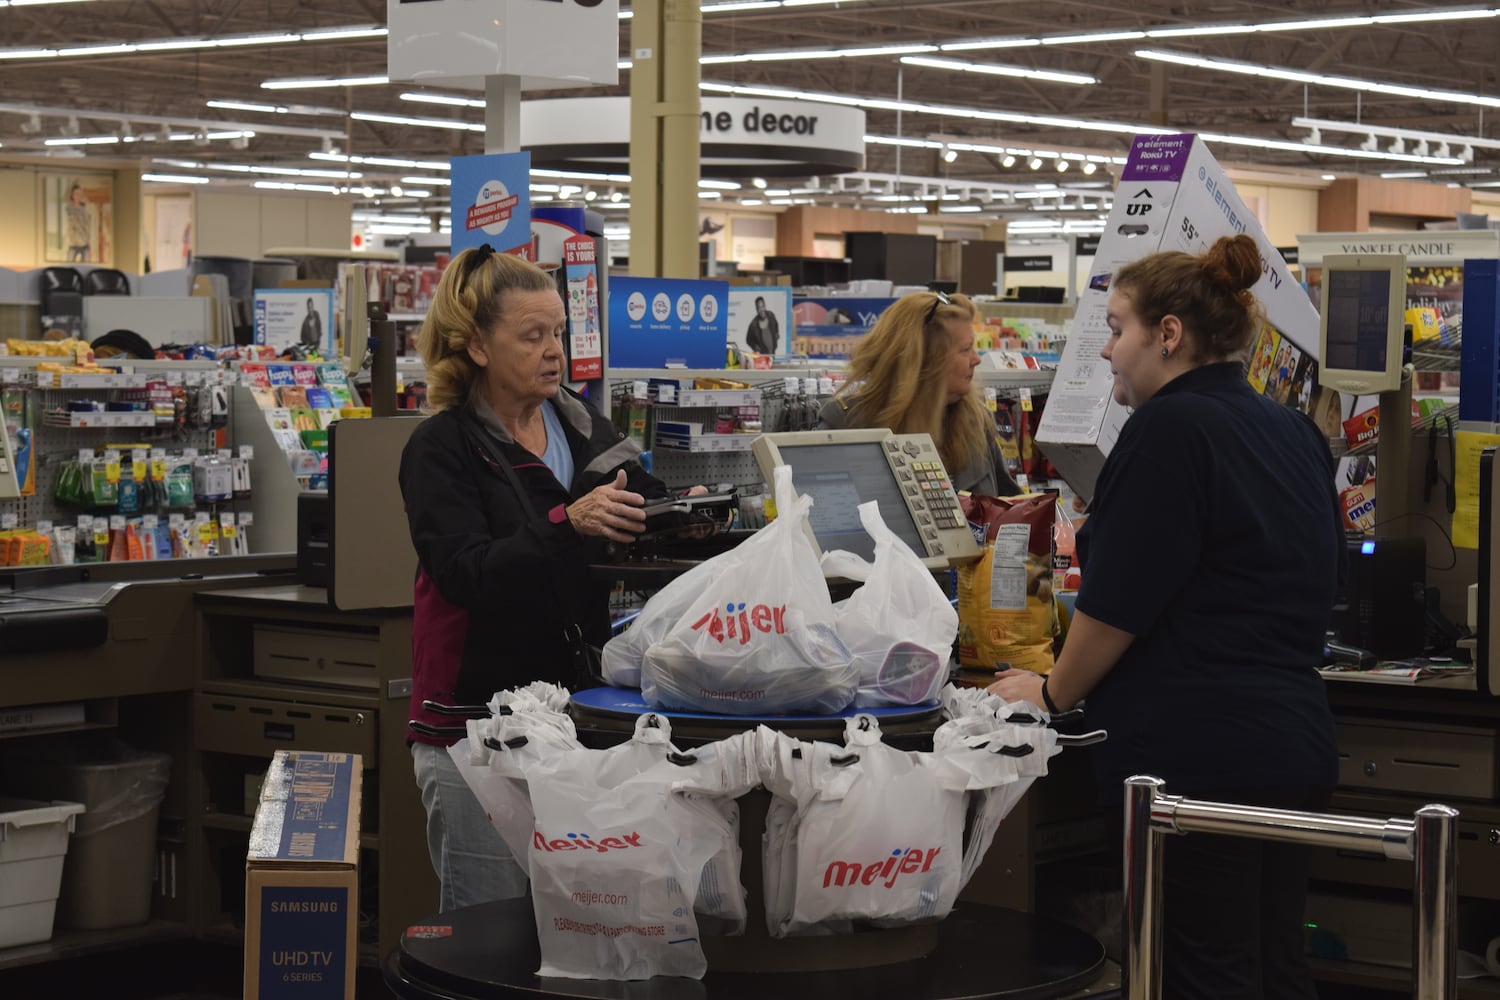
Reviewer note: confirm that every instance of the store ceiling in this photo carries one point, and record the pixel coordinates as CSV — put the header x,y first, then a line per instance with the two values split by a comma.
x,y
165,92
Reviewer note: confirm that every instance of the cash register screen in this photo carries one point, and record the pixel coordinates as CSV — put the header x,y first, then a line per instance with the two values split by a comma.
x,y
840,477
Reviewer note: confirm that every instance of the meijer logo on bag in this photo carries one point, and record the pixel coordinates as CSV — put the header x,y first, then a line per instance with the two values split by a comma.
x,y
901,862
583,842
738,623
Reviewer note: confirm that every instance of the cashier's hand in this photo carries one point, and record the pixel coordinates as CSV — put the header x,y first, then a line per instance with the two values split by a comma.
x,y
609,511
1018,685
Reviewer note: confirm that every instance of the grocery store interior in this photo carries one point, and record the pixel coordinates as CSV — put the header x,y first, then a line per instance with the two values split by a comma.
x,y
265,196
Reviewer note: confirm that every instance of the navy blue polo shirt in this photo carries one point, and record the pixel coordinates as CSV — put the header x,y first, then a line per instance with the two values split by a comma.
x,y
1214,539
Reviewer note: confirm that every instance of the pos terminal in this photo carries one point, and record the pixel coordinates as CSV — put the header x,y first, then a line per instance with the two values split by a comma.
x,y
840,469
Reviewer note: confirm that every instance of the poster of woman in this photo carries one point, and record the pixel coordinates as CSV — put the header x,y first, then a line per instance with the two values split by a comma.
x,y
78,214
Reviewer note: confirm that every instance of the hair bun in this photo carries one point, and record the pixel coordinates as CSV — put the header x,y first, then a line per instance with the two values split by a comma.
x,y
1233,262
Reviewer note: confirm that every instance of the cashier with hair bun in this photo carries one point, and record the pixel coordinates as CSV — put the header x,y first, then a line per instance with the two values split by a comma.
x,y
914,373
512,489
1211,559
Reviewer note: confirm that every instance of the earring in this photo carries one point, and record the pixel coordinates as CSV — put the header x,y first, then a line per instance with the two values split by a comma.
x,y
1165,353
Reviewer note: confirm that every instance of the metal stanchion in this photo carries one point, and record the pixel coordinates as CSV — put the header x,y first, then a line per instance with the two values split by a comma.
x,y
1430,840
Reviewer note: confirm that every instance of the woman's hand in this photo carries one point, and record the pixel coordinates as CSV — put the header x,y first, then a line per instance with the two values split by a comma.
x,y
1018,685
609,511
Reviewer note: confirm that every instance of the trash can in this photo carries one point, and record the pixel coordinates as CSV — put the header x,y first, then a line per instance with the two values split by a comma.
x,y
108,871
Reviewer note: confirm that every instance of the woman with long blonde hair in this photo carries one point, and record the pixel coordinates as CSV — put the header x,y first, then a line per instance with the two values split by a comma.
x,y
914,373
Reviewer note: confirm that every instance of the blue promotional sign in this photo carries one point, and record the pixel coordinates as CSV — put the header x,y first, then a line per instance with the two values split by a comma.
x,y
654,322
490,199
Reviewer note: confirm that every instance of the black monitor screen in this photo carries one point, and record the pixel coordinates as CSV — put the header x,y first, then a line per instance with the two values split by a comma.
x,y
1359,304
840,477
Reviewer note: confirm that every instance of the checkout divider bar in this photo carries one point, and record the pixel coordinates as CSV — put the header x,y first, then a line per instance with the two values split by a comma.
x,y
1429,840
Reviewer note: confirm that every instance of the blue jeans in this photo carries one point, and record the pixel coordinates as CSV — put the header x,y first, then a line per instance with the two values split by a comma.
x,y
472,863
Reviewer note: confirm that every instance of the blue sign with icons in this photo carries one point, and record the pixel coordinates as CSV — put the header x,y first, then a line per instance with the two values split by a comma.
x,y
490,199
656,322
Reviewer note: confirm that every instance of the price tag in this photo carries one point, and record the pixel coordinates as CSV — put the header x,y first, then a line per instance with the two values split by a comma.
x,y
138,464
9,520
175,521
226,524
247,518
1026,400
117,522
224,453
247,452
9,375
158,464
44,527
207,532
666,393
638,389
112,464
86,456
190,453
174,378
149,521
85,524
825,386
791,385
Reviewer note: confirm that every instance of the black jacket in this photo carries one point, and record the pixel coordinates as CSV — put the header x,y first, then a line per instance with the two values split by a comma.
x,y
496,586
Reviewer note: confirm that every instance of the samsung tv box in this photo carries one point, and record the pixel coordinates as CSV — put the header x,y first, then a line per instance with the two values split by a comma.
x,y
302,879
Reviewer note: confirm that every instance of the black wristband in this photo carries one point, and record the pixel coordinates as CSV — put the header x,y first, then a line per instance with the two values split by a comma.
x,y
1047,699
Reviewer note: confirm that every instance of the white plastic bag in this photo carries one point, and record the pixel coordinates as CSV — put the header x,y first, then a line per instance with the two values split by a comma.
x,y
759,638
881,840
623,837
622,656
898,625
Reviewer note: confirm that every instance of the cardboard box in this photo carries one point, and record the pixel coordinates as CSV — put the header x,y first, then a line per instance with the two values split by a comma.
x,y
1172,195
302,879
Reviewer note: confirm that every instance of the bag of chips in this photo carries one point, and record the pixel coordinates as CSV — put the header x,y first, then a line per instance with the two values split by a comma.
x,y
1006,614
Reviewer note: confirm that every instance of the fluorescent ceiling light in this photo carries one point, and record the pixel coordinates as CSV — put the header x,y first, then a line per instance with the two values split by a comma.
x,y
368,116
1403,174
738,5
174,179
312,82
1318,79
381,161
797,55
273,109
1096,36
439,181
1193,30
190,43
457,102
1050,76
289,186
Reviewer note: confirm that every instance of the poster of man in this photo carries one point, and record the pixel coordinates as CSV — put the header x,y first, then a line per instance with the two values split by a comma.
x,y
78,214
759,319
312,327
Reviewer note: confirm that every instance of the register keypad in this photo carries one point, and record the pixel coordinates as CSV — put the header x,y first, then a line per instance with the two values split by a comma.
x,y
938,492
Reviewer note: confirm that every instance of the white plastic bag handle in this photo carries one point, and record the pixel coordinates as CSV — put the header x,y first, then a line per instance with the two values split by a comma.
x,y
846,565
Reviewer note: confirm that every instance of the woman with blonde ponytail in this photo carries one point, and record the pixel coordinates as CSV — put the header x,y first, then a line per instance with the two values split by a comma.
x,y
512,488
1211,561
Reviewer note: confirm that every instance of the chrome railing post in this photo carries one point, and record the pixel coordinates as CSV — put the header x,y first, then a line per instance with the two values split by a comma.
x,y
1143,851
1435,903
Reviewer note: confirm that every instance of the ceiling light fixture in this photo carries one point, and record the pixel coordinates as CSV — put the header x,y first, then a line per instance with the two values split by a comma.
x,y
1198,30
1007,161
1036,163
1049,76
451,123
759,182
155,46
950,154
173,179
1317,79
307,83
448,99
1090,167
